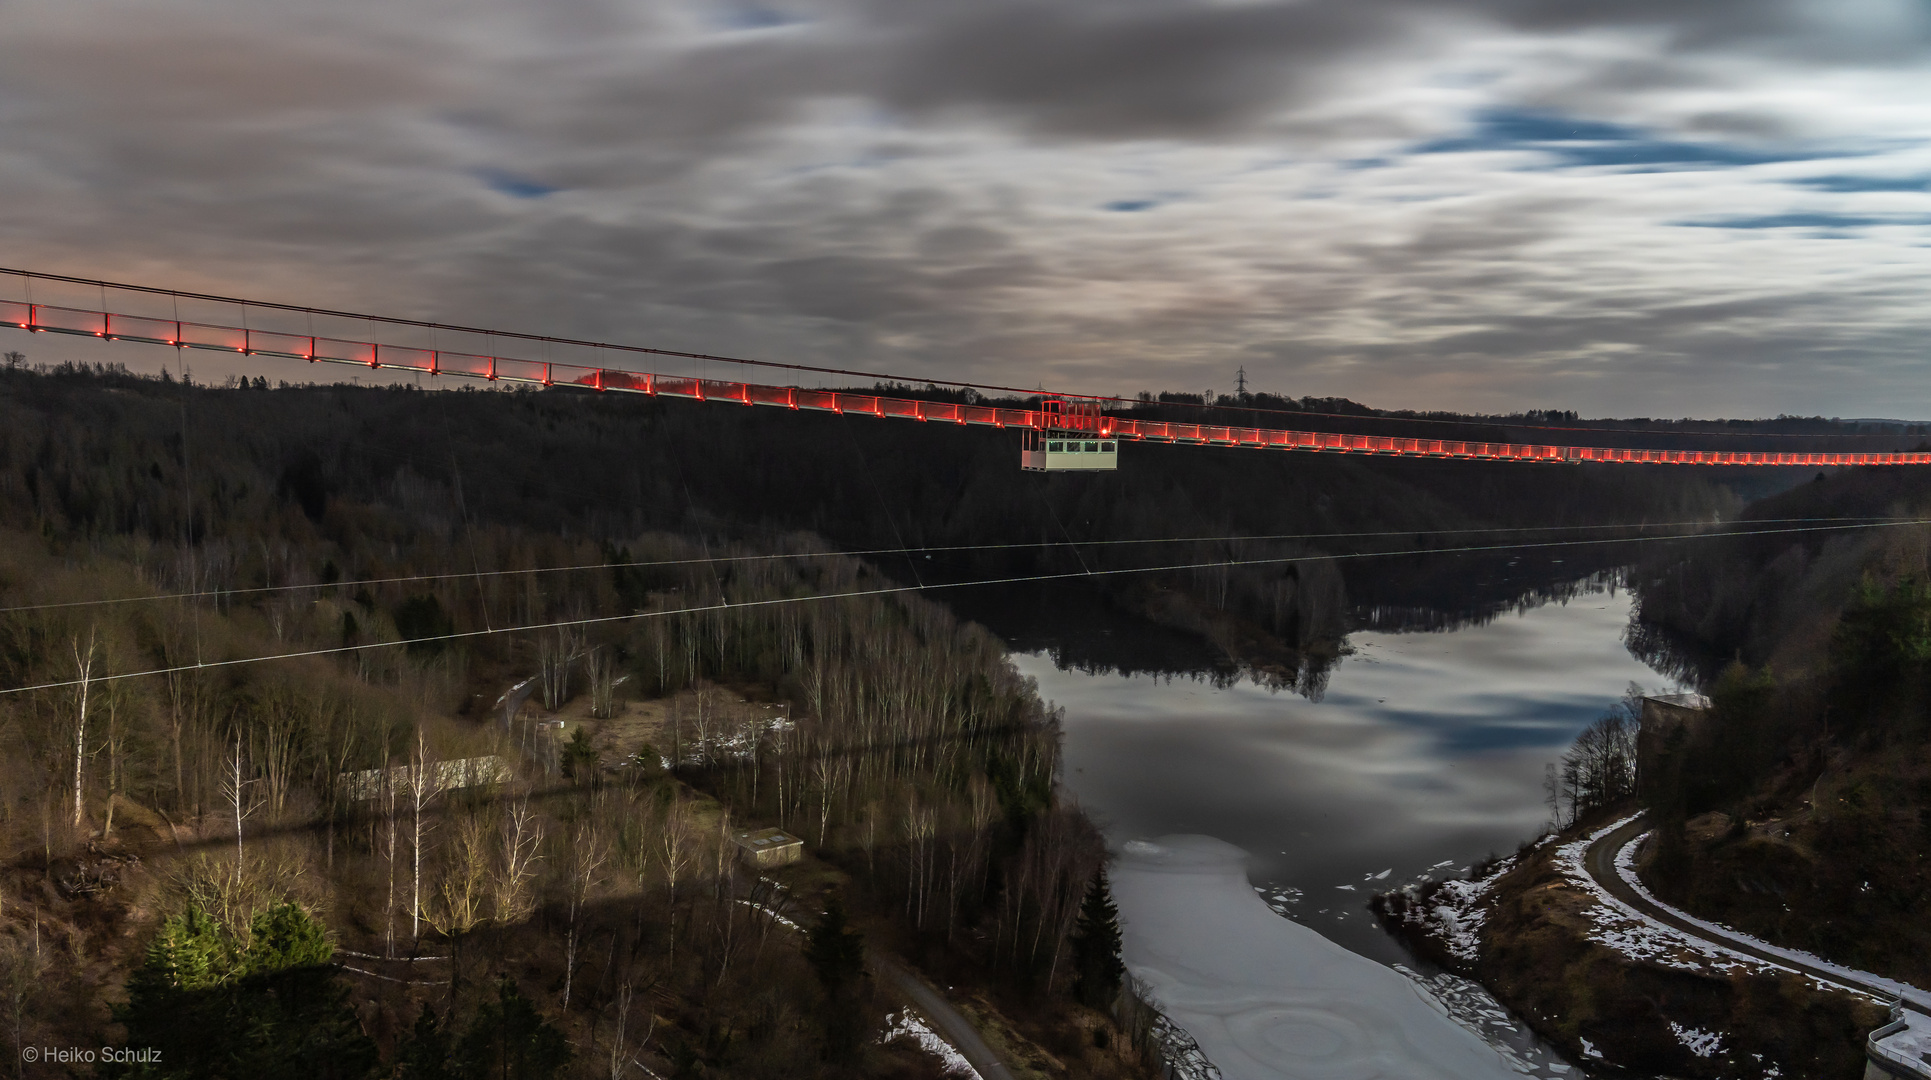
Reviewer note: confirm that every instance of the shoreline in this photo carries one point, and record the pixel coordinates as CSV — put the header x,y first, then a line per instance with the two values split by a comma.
x,y
1621,993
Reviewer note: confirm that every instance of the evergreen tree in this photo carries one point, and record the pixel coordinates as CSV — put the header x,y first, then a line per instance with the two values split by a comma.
x,y
580,761
220,1010
837,954
509,1040
835,950
426,1055
1098,970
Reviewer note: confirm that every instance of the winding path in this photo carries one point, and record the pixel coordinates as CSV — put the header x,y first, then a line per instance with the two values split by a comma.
x,y
1600,861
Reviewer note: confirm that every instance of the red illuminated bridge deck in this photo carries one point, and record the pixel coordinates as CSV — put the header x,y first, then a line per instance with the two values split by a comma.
x,y
371,354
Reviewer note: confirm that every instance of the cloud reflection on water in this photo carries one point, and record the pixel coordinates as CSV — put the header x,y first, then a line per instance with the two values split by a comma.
x,y
1427,746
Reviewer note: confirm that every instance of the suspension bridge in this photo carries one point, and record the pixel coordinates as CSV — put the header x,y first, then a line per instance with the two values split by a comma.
x,y
1063,432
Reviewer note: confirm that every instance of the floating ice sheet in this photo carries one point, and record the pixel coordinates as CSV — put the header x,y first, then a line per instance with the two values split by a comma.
x,y
1268,999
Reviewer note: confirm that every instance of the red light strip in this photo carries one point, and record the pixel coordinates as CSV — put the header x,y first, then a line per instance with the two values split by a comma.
x,y
43,318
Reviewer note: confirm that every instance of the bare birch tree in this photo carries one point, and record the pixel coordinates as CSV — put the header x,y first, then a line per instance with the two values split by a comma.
x,y
622,1054
424,785
84,665
235,788
521,835
585,859
676,851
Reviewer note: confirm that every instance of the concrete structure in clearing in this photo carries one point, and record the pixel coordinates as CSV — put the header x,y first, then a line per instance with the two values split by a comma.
x,y
1667,722
762,849
1899,1049
439,776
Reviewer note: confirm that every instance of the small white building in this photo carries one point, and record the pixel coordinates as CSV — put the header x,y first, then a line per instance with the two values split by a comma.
x,y
762,849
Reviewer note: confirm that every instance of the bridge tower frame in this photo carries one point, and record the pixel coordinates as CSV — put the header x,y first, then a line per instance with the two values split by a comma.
x,y
1073,435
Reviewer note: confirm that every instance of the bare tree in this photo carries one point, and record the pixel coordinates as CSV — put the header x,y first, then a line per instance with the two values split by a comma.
x,y
461,885
601,667
85,666
587,854
425,783
22,968
389,817
825,771
522,839
676,850
116,751
554,656
275,751
622,1054
235,785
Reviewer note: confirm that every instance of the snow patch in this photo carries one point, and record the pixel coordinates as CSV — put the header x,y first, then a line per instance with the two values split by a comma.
x,y
910,1025
1456,911
1700,1043
775,917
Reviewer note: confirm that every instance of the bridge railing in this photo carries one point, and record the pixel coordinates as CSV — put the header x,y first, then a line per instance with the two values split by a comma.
x,y
187,334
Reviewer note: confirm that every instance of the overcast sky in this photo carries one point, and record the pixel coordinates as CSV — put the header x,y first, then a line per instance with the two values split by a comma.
x,y
1669,207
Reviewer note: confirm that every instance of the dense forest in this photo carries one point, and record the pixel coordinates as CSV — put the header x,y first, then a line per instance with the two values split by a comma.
x,y
423,847
612,466
553,651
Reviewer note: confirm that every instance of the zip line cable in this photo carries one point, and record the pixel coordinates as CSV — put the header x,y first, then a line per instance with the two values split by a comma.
x,y
259,590
545,340
889,590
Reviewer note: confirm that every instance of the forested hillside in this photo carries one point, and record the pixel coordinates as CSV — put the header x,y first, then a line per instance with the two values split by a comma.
x,y
554,649
382,856
1800,810
91,454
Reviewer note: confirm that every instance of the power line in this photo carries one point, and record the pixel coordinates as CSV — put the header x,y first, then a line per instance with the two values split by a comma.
x,y
896,589
260,590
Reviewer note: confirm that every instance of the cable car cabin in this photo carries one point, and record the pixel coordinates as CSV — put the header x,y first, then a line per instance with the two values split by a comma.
x,y
1073,436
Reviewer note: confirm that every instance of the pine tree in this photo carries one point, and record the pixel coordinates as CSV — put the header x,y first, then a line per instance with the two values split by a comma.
x,y
580,760
1098,970
837,954
508,1038
216,1009
836,951
426,1056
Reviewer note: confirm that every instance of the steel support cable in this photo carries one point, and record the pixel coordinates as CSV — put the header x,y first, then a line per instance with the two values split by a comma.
x,y
889,590
905,380
941,549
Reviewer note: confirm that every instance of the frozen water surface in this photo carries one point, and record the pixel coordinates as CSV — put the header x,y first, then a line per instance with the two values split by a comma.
x,y
1268,998
1425,754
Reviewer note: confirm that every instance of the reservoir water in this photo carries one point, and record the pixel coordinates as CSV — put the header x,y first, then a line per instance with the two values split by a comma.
x,y
1425,752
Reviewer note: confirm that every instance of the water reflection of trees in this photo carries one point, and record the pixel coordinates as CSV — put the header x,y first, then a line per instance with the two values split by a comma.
x,y
1482,610
1671,653
1107,639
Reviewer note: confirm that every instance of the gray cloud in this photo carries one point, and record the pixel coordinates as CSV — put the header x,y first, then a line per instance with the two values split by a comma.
x,y
922,186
